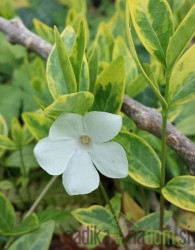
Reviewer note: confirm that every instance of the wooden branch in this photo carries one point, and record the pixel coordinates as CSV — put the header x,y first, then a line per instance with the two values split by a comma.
x,y
17,33
150,120
145,118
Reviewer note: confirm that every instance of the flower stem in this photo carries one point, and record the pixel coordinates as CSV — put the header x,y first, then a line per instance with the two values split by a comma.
x,y
106,198
41,195
163,168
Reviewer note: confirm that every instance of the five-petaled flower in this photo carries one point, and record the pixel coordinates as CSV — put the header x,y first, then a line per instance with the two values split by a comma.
x,y
76,143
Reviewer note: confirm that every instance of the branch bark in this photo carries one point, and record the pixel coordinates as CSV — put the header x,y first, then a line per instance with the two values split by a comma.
x,y
146,118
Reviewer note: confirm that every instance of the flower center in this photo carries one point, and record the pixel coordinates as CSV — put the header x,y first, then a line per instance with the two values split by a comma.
x,y
85,139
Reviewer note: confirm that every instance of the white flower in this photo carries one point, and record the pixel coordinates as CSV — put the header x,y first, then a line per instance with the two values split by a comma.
x,y
75,143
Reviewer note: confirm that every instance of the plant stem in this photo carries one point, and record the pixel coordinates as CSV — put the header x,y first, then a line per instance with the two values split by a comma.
x,y
163,165
144,203
106,198
41,195
22,163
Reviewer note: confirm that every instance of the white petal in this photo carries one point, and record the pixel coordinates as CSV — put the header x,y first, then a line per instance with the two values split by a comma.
x,y
80,177
67,126
110,159
102,126
53,156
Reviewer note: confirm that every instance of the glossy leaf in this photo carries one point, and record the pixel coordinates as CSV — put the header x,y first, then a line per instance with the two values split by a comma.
x,y
72,103
55,78
152,221
153,23
144,164
84,81
39,239
77,52
143,69
109,87
38,124
120,49
97,217
105,43
181,38
182,81
181,192
29,224
65,63
7,215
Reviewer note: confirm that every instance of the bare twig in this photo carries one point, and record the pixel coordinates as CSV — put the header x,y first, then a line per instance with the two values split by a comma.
x,y
150,120
17,33
145,118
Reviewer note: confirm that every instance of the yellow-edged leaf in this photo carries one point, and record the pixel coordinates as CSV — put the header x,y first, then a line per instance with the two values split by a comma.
x,y
182,81
79,102
181,192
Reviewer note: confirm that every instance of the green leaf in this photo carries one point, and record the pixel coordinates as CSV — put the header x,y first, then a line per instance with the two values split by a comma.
x,y
182,81
136,86
39,239
6,185
29,224
16,131
3,126
181,192
84,81
3,131
44,31
38,124
7,215
109,87
93,68
120,49
187,125
55,78
6,143
97,217
65,63
116,204
152,221
26,135
144,164
37,83
153,23
14,159
79,102
181,38
52,214
10,107
77,52
143,68
105,42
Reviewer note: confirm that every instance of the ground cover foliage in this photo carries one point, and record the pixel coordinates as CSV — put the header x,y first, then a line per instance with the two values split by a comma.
x,y
102,50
